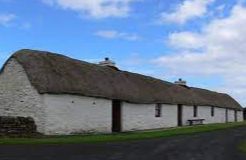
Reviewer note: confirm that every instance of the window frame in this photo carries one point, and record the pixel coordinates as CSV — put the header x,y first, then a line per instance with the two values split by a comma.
x,y
212,111
195,111
158,110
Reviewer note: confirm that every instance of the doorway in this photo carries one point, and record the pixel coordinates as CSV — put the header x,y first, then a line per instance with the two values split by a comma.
x,y
116,116
226,115
180,113
235,115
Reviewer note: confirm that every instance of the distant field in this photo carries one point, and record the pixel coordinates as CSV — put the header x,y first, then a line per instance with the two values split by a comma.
x,y
128,136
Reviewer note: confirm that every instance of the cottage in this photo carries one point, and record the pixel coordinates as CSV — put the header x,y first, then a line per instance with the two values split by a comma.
x,y
68,96
244,113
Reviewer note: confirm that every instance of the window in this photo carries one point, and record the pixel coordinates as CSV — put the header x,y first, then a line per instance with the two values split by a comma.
x,y
212,111
195,111
158,110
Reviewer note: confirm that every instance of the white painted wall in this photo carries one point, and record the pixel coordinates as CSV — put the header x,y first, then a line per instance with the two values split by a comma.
x,y
239,116
204,112
70,114
187,114
142,116
67,114
231,115
18,97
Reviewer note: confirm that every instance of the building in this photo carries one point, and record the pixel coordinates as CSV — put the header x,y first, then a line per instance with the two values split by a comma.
x,y
68,96
244,113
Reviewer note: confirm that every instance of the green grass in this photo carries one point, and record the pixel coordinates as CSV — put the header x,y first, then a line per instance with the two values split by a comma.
x,y
129,136
242,146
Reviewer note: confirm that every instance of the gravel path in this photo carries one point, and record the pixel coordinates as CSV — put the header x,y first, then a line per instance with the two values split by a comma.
x,y
218,145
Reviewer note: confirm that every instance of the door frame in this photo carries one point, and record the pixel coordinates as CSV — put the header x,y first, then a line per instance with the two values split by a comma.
x,y
116,116
235,115
180,114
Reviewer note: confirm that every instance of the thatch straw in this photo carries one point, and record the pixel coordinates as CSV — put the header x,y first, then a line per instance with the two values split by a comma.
x,y
57,74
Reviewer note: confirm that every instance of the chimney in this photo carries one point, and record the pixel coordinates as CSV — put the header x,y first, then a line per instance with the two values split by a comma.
x,y
180,82
108,62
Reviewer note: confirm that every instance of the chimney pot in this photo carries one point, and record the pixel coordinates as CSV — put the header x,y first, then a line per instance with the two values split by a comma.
x,y
107,62
180,82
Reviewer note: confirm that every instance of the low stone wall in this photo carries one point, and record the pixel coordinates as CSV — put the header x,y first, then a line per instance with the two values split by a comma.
x,y
17,126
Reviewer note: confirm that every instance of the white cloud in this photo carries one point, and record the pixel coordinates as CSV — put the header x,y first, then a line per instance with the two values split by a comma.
x,y
112,34
221,52
5,19
95,8
220,8
186,40
186,11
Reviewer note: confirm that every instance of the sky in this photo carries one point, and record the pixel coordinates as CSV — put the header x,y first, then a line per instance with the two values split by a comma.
x,y
200,41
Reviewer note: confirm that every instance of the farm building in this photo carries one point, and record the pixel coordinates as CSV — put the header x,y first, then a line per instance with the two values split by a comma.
x,y
68,96
244,113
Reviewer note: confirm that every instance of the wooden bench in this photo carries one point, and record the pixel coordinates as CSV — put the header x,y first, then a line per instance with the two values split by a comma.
x,y
195,121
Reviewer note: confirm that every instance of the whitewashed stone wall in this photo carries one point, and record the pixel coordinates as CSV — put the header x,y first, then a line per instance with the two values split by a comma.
x,y
187,113
239,116
70,114
231,115
204,112
18,97
142,116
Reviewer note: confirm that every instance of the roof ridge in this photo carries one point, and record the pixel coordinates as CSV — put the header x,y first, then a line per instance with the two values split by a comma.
x,y
59,74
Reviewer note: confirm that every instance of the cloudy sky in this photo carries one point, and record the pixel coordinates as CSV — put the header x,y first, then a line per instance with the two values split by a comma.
x,y
201,41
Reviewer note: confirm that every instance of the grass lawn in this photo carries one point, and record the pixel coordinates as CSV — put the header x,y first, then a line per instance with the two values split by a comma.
x,y
129,136
242,146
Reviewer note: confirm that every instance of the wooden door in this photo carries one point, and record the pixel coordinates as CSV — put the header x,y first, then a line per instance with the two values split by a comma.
x,y
235,115
116,116
226,115
180,115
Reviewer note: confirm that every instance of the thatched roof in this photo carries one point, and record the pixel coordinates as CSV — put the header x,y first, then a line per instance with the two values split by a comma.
x,y
58,74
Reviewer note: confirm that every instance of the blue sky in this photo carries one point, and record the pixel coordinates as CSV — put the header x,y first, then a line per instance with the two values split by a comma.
x,y
201,41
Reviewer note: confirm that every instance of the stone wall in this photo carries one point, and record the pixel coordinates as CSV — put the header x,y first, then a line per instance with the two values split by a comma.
x,y
240,116
18,97
17,126
71,114
204,112
142,116
231,115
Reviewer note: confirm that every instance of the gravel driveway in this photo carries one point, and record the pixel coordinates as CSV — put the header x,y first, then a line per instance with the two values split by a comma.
x,y
218,145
